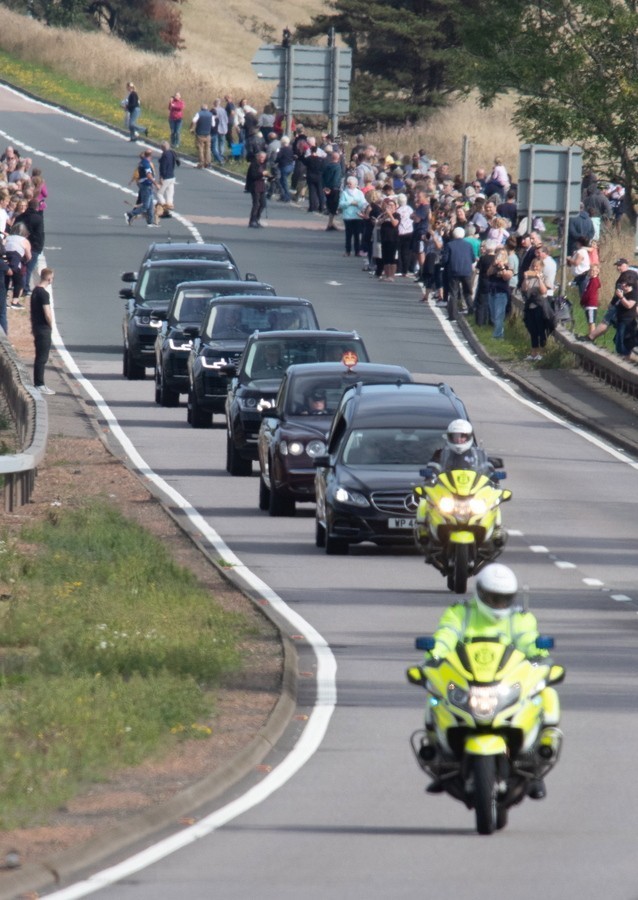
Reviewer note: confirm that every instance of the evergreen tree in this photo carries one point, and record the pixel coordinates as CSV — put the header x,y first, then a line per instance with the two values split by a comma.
x,y
400,52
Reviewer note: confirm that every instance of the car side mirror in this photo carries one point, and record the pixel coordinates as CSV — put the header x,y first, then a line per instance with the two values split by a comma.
x,y
250,277
269,412
192,331
161,314
129,277
229,369
126,293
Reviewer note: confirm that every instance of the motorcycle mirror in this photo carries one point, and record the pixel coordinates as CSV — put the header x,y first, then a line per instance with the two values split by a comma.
x,y
418,490
426,642
415,675
556,675
544,642
506,495
495,461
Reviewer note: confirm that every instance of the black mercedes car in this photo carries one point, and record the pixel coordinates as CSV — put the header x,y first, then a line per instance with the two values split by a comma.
x,y
293,432
150,297
256,381
229,322
381,436
181,326
212,250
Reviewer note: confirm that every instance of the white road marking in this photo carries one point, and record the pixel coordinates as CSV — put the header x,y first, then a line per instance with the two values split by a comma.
x,y
538,548
561,564
593,582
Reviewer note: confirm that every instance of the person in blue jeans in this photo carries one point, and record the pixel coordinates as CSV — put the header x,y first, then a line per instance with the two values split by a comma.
x,y
145,183
498,276
133,108
285,162
352,205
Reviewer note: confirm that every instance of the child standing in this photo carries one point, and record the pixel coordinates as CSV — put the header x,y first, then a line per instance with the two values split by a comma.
x,y
589,298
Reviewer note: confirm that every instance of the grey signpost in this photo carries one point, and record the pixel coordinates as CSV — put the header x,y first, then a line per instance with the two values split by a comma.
x,y
549,183
312,80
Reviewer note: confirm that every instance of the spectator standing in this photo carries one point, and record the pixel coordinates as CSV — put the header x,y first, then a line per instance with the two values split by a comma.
x,y
267,120
41,328
164,198
40,190
406,231
33,219
285,163
18,253
175,118
579,261
388,223
483,264
256,187
598,207
219,131
499,275
549,268
331,177
4,271
508,209
458,263
579,226
626,293
314,164
589,299
625,276
229,106
534,292
201,127
133,108
352,205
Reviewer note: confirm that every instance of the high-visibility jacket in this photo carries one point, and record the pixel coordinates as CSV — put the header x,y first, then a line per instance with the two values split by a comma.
x,y
466,620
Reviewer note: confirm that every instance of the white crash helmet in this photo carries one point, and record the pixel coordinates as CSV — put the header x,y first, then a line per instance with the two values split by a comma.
x,y
496,588
459,436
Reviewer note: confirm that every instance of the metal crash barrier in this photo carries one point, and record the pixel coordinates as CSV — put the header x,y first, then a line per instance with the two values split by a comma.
x,y
28,412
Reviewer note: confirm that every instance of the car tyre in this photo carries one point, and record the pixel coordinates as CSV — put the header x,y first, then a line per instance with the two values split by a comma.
x,y
236,464
335,546
132,370
168,397
320,534
264,494
280,506
198,418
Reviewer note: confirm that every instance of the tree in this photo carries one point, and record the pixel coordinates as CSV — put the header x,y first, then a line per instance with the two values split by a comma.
x,y
148,24
574,64
400,54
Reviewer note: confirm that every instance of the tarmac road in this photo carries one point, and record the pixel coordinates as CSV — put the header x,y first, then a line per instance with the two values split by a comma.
x,y
353,818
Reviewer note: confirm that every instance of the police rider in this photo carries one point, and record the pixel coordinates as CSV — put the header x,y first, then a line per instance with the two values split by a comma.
x,y
493,613
460,451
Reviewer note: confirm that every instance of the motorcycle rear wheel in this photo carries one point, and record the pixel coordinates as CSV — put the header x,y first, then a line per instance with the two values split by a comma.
x,y
457,576
485,805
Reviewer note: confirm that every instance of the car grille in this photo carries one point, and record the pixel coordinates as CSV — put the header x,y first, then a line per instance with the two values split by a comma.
x,y
395,503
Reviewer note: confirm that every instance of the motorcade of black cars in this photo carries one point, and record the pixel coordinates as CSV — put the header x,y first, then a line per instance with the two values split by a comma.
x,y
224,332
150,297
380,438
254,384
181,324
293,431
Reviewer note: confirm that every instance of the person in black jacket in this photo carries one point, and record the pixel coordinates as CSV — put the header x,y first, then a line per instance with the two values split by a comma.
x,y
133,108
166,186
256,187
33,220
314,164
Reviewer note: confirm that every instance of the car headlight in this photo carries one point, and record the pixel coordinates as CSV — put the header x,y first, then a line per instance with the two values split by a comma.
x,y
147,320
294,448
353,498
179,345
209,362
315,448
248,402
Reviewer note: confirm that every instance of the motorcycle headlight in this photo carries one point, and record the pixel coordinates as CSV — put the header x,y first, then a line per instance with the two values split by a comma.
x,y
179,345
352,498
485,701
446,505
478,506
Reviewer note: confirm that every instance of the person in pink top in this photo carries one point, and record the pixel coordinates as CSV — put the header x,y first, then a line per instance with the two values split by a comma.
x,y
589,298
175,118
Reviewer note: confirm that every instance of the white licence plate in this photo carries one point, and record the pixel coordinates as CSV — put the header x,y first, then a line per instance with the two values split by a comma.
x,y
401,523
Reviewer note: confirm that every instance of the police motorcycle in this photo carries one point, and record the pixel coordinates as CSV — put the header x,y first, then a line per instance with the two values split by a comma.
x,y
458,523
491,725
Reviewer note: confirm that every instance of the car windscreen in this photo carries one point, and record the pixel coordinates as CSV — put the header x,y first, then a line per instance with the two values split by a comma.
x,y
303,387
189,306
265,357
226,321
157,285
396,448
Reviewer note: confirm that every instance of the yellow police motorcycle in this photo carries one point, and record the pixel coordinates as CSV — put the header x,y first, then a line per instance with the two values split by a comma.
x,y
458,521
488,738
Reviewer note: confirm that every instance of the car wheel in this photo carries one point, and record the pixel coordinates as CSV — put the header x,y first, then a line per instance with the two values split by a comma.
x,y
320,534
280,506
264,494
158,392
168,397
235,464
125,362
335,546
134,371
198,418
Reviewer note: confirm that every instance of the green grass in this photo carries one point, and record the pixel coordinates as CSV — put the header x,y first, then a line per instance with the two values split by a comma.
x,y
516,345
109,652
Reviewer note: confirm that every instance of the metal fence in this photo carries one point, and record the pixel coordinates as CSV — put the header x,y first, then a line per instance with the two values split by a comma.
x,y
28,411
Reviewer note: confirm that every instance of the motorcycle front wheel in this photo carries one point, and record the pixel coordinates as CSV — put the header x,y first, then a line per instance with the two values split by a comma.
x,y
457,574
485,805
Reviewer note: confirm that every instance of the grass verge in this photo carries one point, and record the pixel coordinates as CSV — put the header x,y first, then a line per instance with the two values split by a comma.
x,y
109,653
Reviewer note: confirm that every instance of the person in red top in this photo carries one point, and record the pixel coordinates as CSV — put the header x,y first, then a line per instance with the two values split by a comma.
x,y
589,299
175,118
